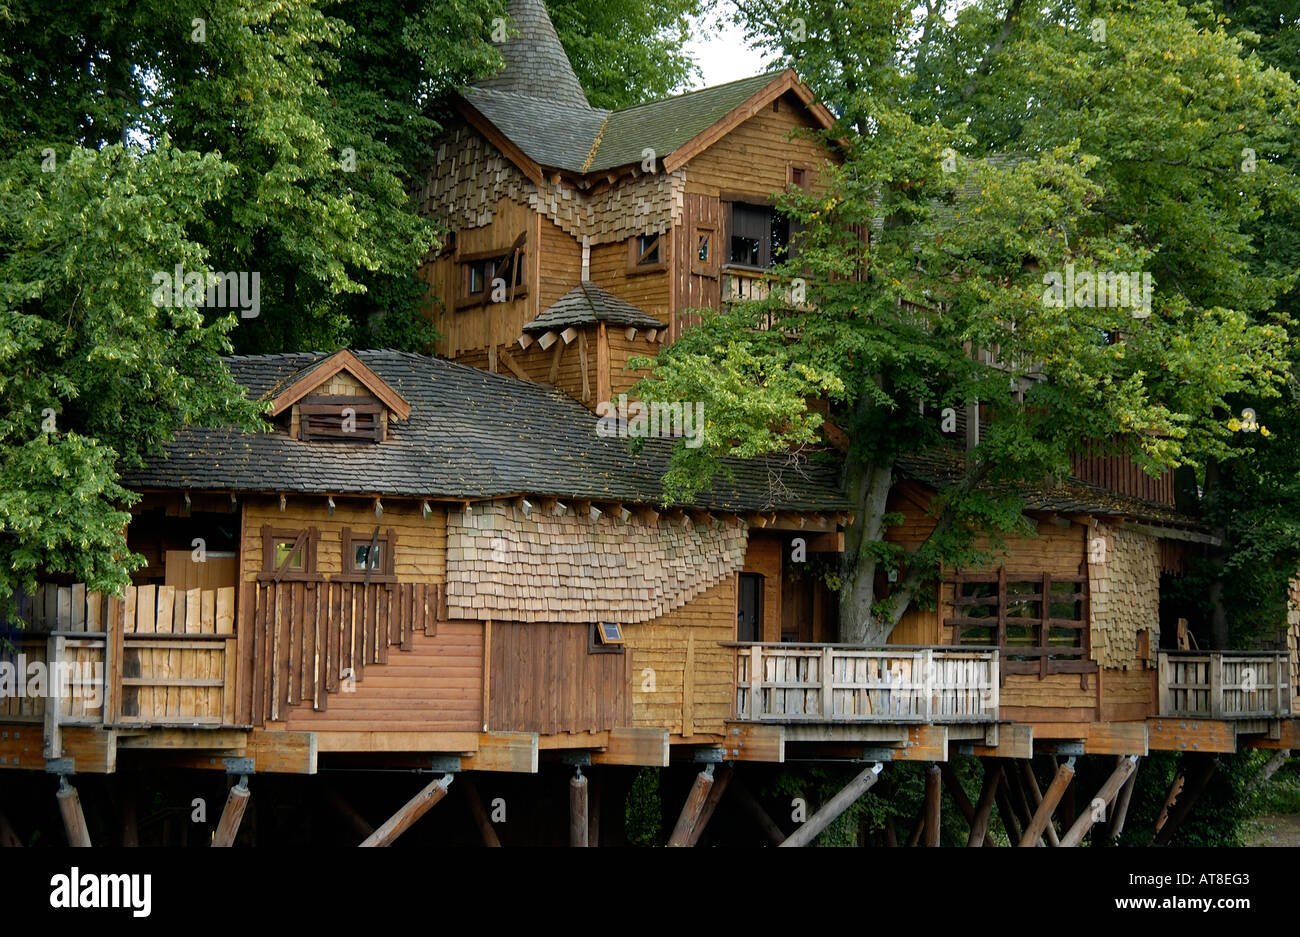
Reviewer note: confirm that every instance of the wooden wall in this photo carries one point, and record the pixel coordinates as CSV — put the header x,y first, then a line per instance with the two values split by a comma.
x,y
561,267
1128,694
697,290
647,291
477,327
576,374
764,556
1058,697
1119,474
544,680
681,679
621,351
421,554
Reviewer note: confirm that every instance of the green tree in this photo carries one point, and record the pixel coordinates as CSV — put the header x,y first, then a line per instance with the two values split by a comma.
x,y
1106,176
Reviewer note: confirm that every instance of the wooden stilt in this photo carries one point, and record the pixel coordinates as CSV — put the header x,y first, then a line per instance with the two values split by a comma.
x,y
74,820
1016,793
411,811
918,829
130,825
1195,787
891,835
1085,820
1115,825
750,804
1036,801
933,795
578,809
835,806
1042,819
360,825
720,783
593,807
480,815
1279,758
953,785
1068,812
979,826
236,804
693,807
1004,809
1175,788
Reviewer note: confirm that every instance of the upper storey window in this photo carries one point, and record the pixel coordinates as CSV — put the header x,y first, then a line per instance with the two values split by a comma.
x,y
759,236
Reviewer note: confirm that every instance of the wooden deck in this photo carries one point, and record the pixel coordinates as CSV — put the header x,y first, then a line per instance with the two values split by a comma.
x,y
844,683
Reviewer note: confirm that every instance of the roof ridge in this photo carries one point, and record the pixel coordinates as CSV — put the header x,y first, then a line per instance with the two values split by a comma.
x,y
595,144
687,94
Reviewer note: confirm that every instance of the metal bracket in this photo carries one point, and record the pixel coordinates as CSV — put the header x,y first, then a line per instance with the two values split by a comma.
x,y
239,765
711,756
1068,748
966,748
447,764
59,766
577,758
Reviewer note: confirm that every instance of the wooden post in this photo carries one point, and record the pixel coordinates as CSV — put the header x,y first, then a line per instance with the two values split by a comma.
x,y
1016,794
835,806
236,804
411,811
933,793
750,804
979,827
1279,758
720,783
360,825
74,820
1185,803
479,813
955,791
1036,796
130,828
593,807
1042,819
578,809
1004,809
1175,788
693,808
1115,826
1107,793
891,835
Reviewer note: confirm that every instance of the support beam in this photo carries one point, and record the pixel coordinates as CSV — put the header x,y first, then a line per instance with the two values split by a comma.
x,y
693,809
413,809
979,827
1115,825
835,806
236,804
1085,820
578,809
1036,798
1175,788
751,806
130,826
74,820
1016,791
720,783
933,794
479,813
1004,809
1195,787
1042,819
1279,758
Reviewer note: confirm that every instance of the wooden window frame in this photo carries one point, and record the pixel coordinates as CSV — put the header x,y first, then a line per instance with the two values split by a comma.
x,y
271,536
596,646
634,254
791,168
1045,658
494,260
699,268
350,540
323,405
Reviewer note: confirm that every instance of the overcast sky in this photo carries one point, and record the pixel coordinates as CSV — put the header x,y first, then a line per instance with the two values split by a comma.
x,y
723,55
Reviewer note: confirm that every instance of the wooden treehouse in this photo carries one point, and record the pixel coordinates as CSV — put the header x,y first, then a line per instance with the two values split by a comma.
x,y
441,564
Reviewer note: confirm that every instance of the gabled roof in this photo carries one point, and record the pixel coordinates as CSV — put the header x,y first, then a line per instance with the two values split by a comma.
x,y
313,376
471,434
587,303
536,113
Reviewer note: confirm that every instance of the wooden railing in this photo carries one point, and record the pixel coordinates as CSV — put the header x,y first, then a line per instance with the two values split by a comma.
x,y
156,656
1225,684
846,683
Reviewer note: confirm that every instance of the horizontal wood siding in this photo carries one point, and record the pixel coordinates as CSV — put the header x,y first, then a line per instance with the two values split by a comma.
x,y
561,266
647,291
665,693
544,680
435,686
621,351
1059,697
1128,694
752,158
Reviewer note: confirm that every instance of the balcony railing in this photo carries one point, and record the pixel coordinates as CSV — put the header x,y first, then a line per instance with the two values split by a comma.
x,y
1225,684
157,656
846,683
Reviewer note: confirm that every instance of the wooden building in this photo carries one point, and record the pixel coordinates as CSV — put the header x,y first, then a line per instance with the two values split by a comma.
x,y
449,564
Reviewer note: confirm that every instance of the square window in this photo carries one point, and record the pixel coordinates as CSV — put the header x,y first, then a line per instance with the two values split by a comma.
x,y
288,555
796,177
605,637
704,247
609,632
283,549
365,556
647,246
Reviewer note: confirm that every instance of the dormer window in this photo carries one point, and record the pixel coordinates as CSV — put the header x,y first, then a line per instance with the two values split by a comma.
x,y
341,419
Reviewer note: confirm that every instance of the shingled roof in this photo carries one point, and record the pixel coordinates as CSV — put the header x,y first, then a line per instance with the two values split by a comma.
x,y
587,303
471,434
537,103
939,469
